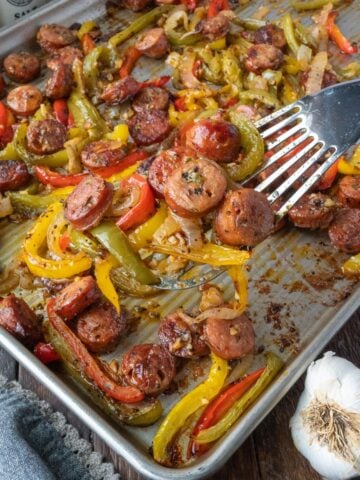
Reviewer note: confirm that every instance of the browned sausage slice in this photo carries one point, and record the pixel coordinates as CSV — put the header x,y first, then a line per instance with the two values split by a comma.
x,y
151,98
149,367
100,328
230,339
215,139
182,339
314,210
349,191
13,175
270,34
45,136
22,67
120,91
87,204
163,166
153,43
147,127
53,37
244,218
24,100
18,319
60,82
215,27
136,5
75,297
66,55
262,57
344,232
2,86
103,153
195,187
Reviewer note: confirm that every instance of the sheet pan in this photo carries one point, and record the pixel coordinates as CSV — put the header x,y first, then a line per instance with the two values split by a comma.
x,y
298,297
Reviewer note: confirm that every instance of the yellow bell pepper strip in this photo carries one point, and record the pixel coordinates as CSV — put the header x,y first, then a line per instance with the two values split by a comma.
x,y
215,255
86,116
9,152
138,25
117,243
85,28
189,404
352,266
351,167
58,159
253,148
239,277
289,95
119,177
177,119
289,32
120,133
142,236
43,267
273,365
312,4
261,96
103,268
54,235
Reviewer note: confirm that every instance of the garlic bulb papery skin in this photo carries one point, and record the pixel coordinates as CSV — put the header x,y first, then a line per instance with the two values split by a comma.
x,y
326,425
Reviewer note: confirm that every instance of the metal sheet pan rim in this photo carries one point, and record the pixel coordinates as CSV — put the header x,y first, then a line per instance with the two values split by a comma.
x,y
225,448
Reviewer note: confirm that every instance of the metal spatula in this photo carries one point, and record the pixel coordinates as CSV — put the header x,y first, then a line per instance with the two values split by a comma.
x,y
317,129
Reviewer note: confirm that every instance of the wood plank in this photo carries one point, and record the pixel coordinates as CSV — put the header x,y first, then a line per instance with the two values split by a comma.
x,y
8,366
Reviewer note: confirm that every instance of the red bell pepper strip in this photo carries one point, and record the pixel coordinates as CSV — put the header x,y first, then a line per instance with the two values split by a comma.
x,y
131,159
88,364
216,6
156,82
61,111
180,104
231,102
87,43
190,4
338,37
219,406
46,353
328,178
143,209
6,120
131,57
55,179
64,241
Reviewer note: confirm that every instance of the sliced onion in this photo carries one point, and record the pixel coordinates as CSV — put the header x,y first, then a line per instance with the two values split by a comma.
x,y
168,228
316,73
223,313
186,67
191,229
5,207
123,201
240,369
10,277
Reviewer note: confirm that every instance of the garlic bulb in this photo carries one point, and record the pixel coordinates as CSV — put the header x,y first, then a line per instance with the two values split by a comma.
x,y
326,425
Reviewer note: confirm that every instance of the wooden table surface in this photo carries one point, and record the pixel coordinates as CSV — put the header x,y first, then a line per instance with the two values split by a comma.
x,y
268,454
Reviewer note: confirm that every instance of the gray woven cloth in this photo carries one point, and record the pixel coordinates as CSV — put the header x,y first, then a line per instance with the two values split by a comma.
x,y
37,443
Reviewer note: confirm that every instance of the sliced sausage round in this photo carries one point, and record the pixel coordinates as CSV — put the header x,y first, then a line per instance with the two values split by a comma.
x,y
149,367
182,339
148,127
22,67
103,153
13,175
344,232
100,328
230,339
75,297
263,57
2,86
24,100
215,27
214,139
17,318
314,210
349,191
153,43
244,218
163,166
120,91
151,98
45,136
53,37
195,187
87,204
136,5
270,34
66,55
60,82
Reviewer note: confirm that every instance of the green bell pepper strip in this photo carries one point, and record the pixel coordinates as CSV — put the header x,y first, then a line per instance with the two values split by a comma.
x,y
261,95
289,32
91,65
58,159
86,116
249,23
9,152
117,243
253,148
138,25
273,365
31,205
186,406
313,4
82,243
